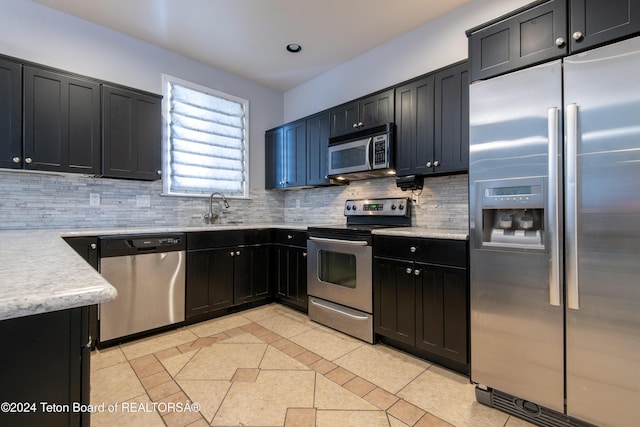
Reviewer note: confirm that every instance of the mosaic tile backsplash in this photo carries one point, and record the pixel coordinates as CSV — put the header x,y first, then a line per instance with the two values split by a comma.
x,y
34,200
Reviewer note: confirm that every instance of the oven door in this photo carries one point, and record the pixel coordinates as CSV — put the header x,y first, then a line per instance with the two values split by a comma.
x,y
340,271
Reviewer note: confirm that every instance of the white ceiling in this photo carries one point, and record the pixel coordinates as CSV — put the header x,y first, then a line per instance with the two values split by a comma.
x,y
248,37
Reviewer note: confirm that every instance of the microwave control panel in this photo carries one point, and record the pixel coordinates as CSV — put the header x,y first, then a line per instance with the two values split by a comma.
x,y
380,157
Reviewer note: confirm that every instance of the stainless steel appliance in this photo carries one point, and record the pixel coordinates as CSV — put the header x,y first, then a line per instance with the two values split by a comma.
x,y
340,265
148,271
362,154
554,177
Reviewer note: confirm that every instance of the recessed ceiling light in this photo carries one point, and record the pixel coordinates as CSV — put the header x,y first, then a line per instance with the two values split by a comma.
x,y
294,47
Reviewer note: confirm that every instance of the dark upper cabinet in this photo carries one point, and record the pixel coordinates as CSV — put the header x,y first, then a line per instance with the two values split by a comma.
x,y
451,141
528,36
538,32
414,117
10,114
61,122
363,113
286,156
432,119
132,134
597,22
318,127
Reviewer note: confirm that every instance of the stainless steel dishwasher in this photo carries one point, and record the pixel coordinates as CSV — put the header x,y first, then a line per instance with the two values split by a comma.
x,y
149,273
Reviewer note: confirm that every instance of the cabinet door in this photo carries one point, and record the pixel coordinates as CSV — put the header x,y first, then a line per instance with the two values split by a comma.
x,y
300,275
132,128
414,119
295,154
376,110
441,311
451,146
596,22
274,160
10,115
251,273
393,295
528,36
209,281
344,118
61,122
291,275
318,127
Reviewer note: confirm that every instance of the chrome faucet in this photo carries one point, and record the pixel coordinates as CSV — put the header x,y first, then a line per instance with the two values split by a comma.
x,y
212,216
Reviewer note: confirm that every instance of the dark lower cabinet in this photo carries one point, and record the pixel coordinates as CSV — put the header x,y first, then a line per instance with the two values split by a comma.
x,y
421,298
45,369
290,268
226,269
132,134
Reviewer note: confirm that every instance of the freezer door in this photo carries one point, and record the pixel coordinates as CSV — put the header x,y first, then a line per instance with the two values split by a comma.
x,y
603,234
516,328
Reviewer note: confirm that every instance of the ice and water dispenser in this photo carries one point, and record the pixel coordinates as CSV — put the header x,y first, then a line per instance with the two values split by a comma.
x,y
512,213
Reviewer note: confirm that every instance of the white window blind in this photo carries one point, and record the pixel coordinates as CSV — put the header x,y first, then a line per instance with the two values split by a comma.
x,y
206,141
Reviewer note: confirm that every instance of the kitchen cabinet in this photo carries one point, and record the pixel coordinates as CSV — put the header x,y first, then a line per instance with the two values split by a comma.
x,y
286,156
364,113
225,269
87,248
48,364
61,122
132,134
318,128
432,120
421,297
538,33
10,114
290,267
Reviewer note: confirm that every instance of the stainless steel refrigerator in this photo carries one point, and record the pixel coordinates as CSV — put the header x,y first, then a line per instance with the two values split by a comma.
x,y
554,175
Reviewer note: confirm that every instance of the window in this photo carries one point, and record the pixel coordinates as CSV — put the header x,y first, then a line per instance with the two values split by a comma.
x,y
206,134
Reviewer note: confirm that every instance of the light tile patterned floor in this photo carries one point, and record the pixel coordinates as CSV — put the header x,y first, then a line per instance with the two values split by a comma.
x,y
271,366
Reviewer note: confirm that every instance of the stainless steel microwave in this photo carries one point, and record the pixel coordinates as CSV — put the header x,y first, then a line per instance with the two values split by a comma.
x,y
367,153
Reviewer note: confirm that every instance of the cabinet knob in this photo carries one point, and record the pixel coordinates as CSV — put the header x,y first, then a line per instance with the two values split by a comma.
x,y
289,236
238,253
577,36
413,249
416,272
560,41
93,246
16,159
159,172
28,160
360,124
355,125
436,163
304,254
409,270
429,164
232,253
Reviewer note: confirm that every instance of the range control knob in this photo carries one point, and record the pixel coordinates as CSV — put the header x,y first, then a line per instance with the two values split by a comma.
x,y
354,207
393,207
401,207
348,207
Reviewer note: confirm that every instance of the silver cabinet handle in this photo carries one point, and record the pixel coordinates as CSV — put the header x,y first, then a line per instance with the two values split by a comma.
x,y
413,249
289,236
571,208
577,36
429,164
159,172
360,124
93,246
28,160
560,41
232,253
553,203
238,253
16,159
355,125
304,254
436,163
409,270
417,272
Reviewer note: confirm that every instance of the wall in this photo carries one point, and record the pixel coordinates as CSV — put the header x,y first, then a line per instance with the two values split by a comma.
x,y
38,34
424,49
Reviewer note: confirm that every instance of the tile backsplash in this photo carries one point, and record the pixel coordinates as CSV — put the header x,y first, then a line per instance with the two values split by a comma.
x,y
40,200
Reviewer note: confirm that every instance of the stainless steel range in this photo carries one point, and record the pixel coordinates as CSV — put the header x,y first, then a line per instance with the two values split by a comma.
x,y
340,264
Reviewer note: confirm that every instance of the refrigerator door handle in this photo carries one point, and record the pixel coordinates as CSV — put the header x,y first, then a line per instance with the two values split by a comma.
x,y
572,207
553,204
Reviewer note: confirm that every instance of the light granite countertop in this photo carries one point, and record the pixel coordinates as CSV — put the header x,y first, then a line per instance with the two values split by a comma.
x,y
42,273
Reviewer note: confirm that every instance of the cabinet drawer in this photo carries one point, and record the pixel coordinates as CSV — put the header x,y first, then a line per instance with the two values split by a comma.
x,y
290,237
432,251
226,238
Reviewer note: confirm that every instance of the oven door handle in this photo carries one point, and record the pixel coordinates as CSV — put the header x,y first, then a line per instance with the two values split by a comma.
x,y
338,311
340,242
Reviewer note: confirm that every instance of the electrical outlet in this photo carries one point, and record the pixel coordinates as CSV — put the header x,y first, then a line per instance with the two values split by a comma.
x,y
94,199
416,200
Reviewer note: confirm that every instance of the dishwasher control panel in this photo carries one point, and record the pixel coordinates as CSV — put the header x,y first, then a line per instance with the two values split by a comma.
x,y
141,243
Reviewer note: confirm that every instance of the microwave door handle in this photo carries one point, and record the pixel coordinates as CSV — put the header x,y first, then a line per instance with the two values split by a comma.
x,y
369,153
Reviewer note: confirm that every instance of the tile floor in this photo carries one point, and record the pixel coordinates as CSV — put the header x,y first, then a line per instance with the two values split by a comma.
x,y
271,366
